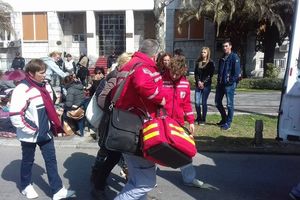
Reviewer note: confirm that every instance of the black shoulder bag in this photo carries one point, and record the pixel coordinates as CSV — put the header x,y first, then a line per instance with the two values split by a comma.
x,y
123,129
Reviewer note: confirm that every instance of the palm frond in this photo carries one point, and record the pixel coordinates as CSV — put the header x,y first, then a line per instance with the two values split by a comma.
x,y
232,9
277,21
283,4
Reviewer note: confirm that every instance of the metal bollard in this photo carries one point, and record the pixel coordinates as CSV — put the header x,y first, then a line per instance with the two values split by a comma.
x,y
258,136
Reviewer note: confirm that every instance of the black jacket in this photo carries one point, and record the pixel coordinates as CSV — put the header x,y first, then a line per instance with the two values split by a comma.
x,y
75,95
204,74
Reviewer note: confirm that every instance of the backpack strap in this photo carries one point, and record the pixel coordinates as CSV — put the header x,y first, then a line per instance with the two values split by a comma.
x,y
122,84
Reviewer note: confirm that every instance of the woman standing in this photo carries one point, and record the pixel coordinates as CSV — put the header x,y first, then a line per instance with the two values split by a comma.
x,y
164,62
33,114
83,71
204,71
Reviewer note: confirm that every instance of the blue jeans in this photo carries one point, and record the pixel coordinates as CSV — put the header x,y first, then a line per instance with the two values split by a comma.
x,y
142,178
201,96
48,152
228,91
188,173
296,190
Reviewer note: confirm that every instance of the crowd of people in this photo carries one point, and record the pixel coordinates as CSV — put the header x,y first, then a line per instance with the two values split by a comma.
x,y
159,81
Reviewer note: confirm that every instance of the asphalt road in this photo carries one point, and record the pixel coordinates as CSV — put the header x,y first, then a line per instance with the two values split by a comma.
x,y
228,176
248,102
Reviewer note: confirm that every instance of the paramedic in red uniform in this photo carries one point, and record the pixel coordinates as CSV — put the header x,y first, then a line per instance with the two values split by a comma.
x,y
143,89
179,107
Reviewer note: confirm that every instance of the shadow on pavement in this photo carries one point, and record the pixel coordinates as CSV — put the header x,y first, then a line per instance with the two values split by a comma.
x,y
209,190
234,177
12,173
78,171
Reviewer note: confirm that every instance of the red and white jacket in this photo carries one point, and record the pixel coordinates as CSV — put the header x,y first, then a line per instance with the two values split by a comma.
x,y
28,113
143,87
178,101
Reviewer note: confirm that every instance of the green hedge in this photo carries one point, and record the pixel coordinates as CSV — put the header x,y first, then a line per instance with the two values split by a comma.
x,y
261,83
249,83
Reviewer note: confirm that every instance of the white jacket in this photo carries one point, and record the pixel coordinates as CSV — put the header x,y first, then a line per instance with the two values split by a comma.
x,y
28,113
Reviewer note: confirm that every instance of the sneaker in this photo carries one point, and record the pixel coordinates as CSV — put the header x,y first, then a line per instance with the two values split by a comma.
x,y
63,193
29,192
294,196
195,183
221,123
225,127
124,173
201,123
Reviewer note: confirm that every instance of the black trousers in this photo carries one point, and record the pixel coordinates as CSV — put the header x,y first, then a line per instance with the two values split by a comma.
x,y
105,161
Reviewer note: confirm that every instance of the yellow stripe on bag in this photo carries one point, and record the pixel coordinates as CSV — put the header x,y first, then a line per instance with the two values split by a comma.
x,y
176,127
151,135
154,125
185,137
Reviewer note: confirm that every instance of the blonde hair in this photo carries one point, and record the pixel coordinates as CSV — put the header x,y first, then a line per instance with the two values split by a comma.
x,y
54,53
201,58
123,59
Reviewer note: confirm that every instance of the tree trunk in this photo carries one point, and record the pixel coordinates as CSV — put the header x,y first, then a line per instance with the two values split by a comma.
x,y
159,16
270,39
239,43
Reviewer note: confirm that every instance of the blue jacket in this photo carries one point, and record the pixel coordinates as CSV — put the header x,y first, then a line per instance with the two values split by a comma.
x,y
229,69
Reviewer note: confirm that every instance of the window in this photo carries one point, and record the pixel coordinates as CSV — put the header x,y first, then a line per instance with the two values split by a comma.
x,y
35,26
78,37
4,35
280,63
191,30
111,32
78,27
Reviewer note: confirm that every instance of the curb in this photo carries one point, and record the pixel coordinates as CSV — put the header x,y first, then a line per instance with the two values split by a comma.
x,y
88,143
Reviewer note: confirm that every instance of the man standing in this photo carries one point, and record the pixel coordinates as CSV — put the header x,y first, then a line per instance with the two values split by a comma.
x,y
18,62
142,90
228,76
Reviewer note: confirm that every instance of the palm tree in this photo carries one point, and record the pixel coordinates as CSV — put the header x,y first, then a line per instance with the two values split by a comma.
x,y
5,21
270,19
159,16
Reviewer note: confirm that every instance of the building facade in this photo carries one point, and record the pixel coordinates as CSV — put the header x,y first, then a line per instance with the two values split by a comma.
x,y
85,28
97,29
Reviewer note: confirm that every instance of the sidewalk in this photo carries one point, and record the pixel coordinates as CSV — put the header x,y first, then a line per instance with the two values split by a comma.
x,y
73,141
87,142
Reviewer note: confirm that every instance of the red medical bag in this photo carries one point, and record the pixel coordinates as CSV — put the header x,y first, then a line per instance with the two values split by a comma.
x,y
167,143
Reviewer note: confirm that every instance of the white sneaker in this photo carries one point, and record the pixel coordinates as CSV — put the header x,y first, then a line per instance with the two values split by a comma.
x,y
195,183
63,193
29,192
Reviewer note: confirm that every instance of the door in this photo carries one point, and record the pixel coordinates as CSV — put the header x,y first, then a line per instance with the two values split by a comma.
x,y
288,126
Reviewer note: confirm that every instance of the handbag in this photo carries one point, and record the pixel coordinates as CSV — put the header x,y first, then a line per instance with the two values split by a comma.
x,y
67,128
76,114
166,142
123,131
93,112
124,127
